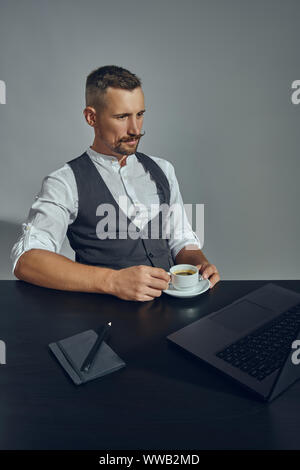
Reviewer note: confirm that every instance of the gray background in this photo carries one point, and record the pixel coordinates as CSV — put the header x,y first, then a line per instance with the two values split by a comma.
x,y
217,80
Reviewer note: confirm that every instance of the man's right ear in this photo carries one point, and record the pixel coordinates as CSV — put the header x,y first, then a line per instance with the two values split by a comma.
x,y
90,115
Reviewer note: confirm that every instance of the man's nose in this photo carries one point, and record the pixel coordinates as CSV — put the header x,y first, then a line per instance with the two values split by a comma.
x,y
133,126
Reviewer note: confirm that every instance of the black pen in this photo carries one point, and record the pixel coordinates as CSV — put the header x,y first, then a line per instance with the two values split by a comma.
x,y
89,361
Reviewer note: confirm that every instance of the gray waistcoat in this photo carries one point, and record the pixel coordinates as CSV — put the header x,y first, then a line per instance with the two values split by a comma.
x,y
129,247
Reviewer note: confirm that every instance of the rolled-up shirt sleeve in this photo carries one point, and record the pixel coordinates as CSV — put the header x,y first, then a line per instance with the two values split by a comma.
x,y
53,209
181,233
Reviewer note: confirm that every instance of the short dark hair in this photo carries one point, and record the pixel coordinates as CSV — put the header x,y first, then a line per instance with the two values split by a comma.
x,y
108,76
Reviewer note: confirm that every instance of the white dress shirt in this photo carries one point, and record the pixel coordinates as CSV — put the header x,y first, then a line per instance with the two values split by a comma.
x,y
56,205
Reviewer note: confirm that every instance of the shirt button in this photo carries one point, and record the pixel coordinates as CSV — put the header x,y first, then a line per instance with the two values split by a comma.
x,y
150,255
138,229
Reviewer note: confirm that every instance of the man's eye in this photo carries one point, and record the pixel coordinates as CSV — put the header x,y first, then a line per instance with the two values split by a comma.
x,y
122,117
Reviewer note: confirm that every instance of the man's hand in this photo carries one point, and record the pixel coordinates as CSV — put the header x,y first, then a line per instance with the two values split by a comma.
x,y
209,271
138,282
191,255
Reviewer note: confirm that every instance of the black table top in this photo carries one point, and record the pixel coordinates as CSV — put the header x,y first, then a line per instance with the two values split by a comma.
x,y
163,399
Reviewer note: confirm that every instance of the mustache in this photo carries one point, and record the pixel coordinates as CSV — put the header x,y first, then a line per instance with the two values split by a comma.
x,y
134,137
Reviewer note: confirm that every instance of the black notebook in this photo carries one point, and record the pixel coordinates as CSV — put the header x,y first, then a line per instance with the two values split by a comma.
x,y
72,351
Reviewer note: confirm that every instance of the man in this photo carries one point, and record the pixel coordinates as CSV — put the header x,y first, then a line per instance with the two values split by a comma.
x,y
73,198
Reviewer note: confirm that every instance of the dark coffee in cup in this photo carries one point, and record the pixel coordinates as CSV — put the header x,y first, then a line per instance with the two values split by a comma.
x,y
184,273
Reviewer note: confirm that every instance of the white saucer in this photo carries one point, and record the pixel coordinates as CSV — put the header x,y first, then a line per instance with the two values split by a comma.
x,y
203,286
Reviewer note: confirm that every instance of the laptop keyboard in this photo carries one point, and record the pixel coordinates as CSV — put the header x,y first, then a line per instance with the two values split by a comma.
x,y
264,350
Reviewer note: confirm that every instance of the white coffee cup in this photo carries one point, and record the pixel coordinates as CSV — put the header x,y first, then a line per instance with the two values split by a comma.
x,y
184,276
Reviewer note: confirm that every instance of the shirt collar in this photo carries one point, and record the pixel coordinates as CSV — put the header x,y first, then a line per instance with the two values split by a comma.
x,y
101,157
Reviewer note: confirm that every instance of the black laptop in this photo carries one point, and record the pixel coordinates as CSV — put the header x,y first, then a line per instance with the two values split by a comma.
x,y
253,340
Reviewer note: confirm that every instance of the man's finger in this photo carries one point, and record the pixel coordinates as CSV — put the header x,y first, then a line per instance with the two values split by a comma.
x,y
146,297
209,271
160,273
214,279
156,283
153,292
